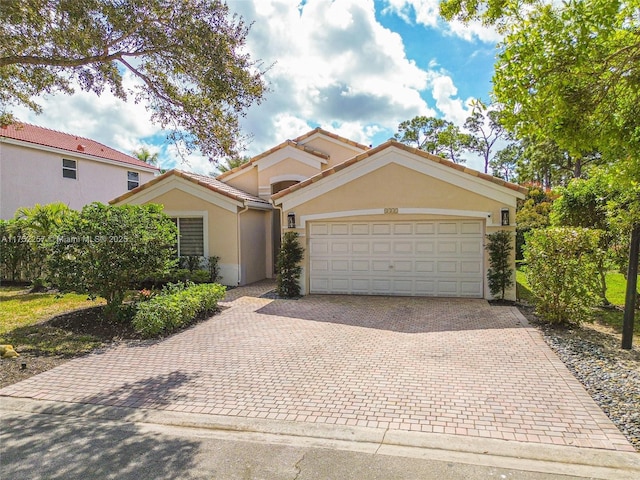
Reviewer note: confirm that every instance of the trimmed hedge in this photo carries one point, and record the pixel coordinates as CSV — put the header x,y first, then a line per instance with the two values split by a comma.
x,y
175,306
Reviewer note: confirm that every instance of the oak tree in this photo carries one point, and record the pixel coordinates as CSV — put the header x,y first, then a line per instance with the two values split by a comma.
x,y
188,56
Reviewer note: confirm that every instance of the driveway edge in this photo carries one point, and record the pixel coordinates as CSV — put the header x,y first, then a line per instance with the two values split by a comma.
x,y
553,459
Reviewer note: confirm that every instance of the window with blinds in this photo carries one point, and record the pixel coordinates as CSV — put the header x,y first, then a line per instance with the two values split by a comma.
x,y
190,236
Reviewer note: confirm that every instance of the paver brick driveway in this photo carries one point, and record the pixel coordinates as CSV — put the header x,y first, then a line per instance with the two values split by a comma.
x,y
433,365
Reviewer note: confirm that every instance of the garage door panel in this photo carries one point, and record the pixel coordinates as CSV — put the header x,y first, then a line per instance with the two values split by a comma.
x,y
446,247
428,228
360,285
426,258
447,266
381,285
340,285
340,265
340,247
381,248
403,247
470,248
319,229
360,229
380,265
425,266
471,267
425,288
360,266
470,228
381,229
319,266
319,247
470,289
360,248
425,248
402,229
447,228
447,288
319,285
403,266
339,229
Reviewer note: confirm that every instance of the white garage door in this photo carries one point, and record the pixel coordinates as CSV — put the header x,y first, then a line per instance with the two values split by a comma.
x,y
427,258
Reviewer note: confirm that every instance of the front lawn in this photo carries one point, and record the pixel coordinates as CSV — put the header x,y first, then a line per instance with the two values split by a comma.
x,y
26,322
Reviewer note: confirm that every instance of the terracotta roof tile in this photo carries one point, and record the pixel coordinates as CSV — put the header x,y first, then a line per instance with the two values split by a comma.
x,y
202,180
79,145
395,143
332,135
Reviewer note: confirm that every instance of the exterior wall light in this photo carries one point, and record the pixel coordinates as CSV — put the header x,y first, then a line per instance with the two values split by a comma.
x,y
504,215
291,220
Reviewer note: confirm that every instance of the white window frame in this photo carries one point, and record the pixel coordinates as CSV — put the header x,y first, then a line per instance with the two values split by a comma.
x,y
130,181
67,168
194,214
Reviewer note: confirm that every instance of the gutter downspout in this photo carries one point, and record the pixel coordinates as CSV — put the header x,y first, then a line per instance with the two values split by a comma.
x,y
280,212
246,207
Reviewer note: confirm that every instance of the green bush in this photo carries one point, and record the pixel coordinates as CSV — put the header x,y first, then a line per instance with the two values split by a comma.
x,y
103,249
175,306
562,271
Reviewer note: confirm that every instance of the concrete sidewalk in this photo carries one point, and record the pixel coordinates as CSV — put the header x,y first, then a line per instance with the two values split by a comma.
x,y
55,440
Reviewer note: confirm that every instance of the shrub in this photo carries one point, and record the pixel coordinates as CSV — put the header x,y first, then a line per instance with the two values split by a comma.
x,y
103,249
500,274
289,270
175,306
562,271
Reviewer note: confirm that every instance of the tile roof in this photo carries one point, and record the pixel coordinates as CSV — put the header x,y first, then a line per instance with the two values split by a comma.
x,y
331,135
286,143
78,145
402,146
202,180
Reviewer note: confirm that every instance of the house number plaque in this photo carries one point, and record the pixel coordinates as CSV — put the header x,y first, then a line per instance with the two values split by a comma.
x,y
390,210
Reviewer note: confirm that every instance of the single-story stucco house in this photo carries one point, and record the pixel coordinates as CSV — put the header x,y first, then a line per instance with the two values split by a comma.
x,y
389,220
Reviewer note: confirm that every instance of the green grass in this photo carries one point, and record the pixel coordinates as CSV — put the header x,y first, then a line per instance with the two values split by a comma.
x,y
616,291
23,322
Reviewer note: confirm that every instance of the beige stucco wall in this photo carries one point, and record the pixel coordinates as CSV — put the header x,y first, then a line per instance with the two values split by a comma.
x,y
246,181
222,228
253,240
286,169
29,176
337,153
395,186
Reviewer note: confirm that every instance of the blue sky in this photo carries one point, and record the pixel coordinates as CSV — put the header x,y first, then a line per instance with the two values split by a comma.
x,y
354,67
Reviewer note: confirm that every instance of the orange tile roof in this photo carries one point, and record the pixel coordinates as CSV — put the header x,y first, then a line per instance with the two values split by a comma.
x,y
402,146
202,180
286,143
78,145
332,135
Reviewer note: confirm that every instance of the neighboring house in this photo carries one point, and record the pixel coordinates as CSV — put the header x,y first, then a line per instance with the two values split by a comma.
x,y
39,165
389,220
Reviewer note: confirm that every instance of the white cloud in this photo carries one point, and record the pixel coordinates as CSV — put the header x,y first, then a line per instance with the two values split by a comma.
x,y
444,93
335,66
427,13
332,64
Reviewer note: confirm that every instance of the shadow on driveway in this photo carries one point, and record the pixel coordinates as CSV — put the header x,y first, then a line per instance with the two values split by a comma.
x,y
398,314
62,446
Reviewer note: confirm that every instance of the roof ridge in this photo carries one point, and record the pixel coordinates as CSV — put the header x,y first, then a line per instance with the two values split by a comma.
x,y
79,137
395,143
36,135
